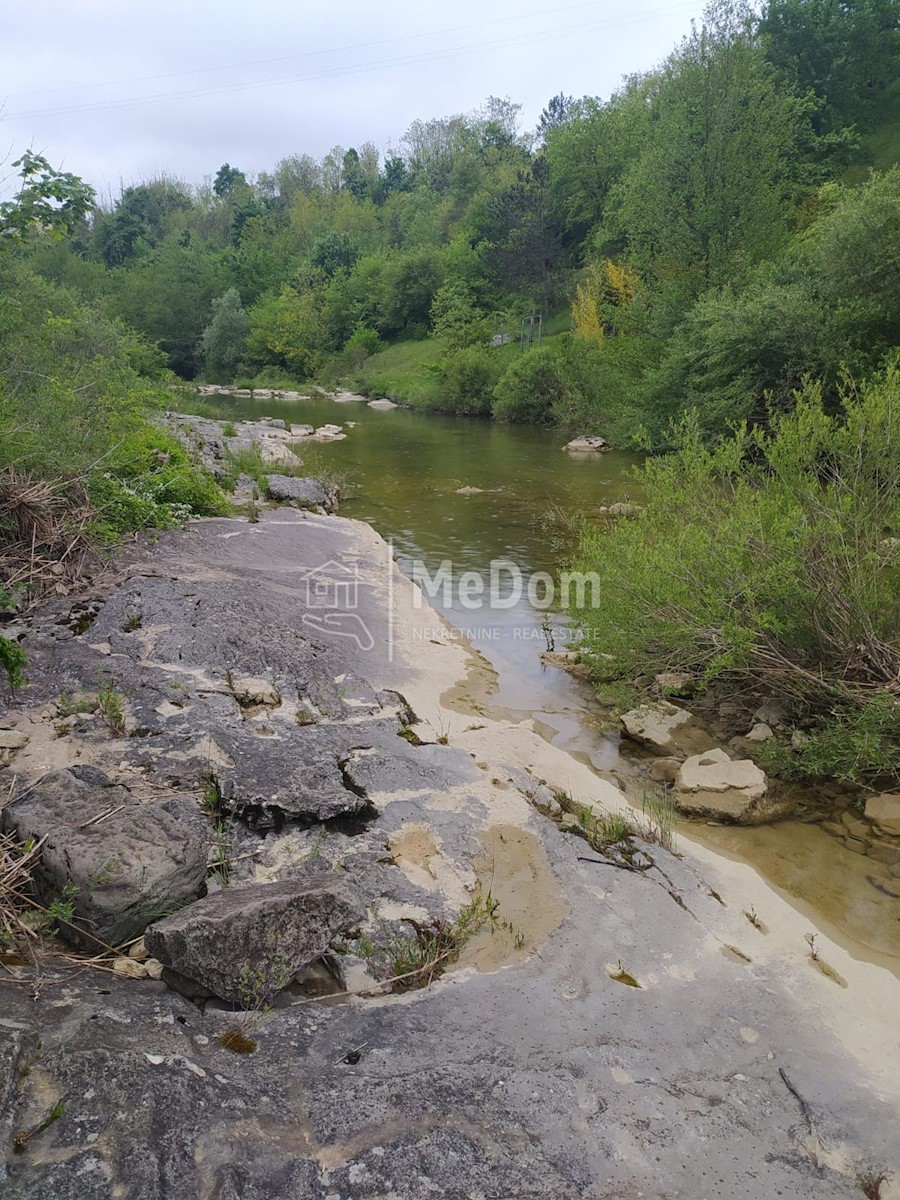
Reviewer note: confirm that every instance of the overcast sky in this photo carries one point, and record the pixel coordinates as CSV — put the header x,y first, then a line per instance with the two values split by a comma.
x,y
117,91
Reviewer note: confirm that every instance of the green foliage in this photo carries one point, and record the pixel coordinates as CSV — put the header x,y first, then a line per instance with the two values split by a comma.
x,y
48,202
286,332
530,388
112,707
769,561
224,337
468,379
13,660
149,481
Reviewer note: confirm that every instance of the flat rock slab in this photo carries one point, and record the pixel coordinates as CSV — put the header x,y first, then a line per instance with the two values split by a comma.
x,y
245,944
726,789
305,493
587,445
884,810
665,728
120,862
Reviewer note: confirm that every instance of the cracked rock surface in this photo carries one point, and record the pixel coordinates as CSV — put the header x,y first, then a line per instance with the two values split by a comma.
x,y
529,1069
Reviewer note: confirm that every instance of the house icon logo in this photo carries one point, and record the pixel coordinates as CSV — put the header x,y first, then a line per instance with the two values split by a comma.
x,y
332,596
333,585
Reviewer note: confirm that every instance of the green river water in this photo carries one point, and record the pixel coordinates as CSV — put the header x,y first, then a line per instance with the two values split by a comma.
x,y
401,471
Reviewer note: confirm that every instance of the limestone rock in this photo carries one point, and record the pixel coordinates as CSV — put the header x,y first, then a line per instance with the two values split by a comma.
x,y
664,770
587,444
12,739
760,732
735,790
122,862
382,405
245,944
657,726
884,811
130,967
252,692
305,493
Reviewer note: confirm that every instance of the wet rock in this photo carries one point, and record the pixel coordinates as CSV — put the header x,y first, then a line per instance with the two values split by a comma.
x,y
382,405
884,811
665,770
735,790
119,861
305,493
587,444
660,726
884,852
246,944
856,825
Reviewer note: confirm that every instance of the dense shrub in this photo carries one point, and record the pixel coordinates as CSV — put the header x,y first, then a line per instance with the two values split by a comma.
x,y
770,561
530,388
468,379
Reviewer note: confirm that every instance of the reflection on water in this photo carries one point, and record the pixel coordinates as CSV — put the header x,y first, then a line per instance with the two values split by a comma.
x,y
404,469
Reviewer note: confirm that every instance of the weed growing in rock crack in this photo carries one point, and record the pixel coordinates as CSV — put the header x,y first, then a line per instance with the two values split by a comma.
x,y
61,909
409,735
754,920
220,866
871,1183
620,975
414,962
658,808
112,706
228,430
21,1140
810,939
211,798
132,623
304,717
819,963
72,704
257,986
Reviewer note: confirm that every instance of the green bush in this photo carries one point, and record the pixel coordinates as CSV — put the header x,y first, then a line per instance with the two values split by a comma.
x,y
150,481
468,379
531,388
769,562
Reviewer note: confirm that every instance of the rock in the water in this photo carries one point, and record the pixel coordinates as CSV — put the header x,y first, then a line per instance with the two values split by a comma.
x,y
664,770
302,431
469,491
657,726
120,862
305,493
245,944
884,811
588,443
382,405
620,509
735,790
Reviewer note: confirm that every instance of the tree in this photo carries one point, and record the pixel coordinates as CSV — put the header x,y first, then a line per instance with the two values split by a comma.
x,y
223,338
713,190
227,178
144,216
521,245
48,201
845,52
557,113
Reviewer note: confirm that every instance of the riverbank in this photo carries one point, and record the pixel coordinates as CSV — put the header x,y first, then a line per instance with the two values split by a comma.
x,y
547,1077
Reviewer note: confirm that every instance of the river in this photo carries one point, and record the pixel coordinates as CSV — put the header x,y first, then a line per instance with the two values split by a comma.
x,y
402,472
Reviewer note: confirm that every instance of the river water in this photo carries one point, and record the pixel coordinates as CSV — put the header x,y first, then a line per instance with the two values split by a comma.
x,y
402,472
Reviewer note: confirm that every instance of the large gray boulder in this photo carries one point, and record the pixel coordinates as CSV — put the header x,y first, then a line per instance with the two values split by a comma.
x,y
305,493
245,944
120,862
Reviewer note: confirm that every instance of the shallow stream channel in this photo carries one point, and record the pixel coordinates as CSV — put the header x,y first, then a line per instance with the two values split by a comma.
x,y
469,493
